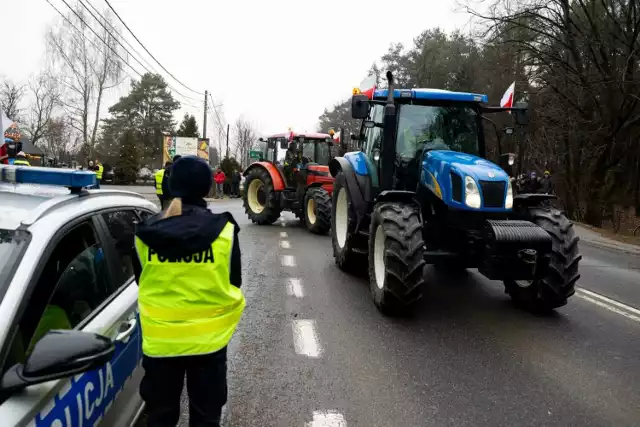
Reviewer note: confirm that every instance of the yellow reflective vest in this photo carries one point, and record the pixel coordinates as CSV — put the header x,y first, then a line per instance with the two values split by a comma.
x,y
159,177
188,306
21,163
99,171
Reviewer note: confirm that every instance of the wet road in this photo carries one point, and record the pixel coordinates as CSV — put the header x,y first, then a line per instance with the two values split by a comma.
x,y
312,350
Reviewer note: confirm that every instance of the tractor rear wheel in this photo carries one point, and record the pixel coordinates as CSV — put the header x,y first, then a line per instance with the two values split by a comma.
x,y
342,228
560,277
396,263
317,210
260,199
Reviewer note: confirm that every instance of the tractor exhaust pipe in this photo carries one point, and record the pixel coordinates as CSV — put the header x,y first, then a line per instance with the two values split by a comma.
x,y
388,152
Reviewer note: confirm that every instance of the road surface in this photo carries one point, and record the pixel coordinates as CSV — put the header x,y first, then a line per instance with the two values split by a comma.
x,y
312,350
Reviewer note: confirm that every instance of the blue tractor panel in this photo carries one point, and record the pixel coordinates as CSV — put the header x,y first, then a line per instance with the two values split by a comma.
x,y
445,173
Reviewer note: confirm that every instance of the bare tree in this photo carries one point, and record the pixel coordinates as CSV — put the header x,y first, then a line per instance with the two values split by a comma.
x,y
245,139
89,66
60,140
46,97
11,95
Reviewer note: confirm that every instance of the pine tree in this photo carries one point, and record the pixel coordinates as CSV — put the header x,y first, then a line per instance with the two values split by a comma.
x,y
126,171
189,127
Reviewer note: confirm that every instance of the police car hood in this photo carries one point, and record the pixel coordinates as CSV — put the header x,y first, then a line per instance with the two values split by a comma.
x,y
183,235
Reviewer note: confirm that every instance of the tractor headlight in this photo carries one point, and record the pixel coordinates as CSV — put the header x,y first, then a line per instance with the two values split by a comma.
x,y
471,193
508,204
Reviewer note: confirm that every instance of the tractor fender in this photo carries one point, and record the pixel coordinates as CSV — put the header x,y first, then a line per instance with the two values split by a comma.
x,y
531,199
352,186
407,197
274,172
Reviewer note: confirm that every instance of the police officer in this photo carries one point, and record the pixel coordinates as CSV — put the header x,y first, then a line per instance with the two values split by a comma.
x,y
158,177
166,191
99,171
189,299
21,160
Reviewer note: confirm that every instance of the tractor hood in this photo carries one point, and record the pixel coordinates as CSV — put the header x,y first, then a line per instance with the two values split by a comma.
x,y
465,164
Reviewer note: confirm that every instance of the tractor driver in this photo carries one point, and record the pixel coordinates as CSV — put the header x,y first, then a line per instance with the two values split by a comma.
x,y
291,160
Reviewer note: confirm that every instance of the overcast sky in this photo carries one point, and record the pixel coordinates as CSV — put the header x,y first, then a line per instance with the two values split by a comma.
x,y
279,62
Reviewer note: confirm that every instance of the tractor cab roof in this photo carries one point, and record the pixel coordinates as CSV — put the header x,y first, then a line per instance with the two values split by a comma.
x,y
321,137
431,95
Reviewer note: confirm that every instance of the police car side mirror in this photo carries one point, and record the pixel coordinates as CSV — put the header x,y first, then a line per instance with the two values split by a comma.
x,y
59,354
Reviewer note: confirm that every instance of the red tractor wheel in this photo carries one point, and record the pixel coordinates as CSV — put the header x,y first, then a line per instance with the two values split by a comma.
x,y
260,199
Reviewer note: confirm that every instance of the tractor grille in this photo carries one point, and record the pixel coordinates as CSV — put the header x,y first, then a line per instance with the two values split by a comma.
x,y
456,187
493,193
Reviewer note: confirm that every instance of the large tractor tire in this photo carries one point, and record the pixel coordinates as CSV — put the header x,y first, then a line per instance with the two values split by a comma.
x,y
260,199
559,279
396,263
342,230
317,210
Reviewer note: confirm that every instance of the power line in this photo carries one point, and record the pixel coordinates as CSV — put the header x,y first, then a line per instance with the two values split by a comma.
x,y
98,47
147,50
125,49
107,45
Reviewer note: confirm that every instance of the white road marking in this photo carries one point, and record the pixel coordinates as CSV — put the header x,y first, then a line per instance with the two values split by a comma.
x,y
283,234
294,288
284,244
305,339
611,305
327,419
288,261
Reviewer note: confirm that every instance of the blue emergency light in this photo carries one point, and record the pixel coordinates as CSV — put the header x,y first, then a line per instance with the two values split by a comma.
x,y
47,176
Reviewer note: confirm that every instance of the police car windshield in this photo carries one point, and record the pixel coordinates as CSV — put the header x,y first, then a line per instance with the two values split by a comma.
x,y
12,246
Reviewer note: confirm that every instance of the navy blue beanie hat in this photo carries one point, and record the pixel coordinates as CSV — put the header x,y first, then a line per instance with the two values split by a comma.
x,y
190,179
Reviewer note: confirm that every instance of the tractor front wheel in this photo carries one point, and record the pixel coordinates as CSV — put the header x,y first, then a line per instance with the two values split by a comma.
x,y
260,201
343,238
558,282
396,263
317,210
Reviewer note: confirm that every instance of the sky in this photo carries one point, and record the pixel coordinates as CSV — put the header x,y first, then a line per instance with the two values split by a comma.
x,y
277,63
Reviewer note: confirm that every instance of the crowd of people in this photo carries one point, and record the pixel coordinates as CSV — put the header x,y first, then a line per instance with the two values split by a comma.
x,y
532,183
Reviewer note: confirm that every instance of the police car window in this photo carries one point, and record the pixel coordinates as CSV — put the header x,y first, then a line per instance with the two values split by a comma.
x,y
12,245
121,229
73,283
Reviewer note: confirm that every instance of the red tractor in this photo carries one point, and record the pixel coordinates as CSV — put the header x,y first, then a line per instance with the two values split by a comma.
x,y
300,183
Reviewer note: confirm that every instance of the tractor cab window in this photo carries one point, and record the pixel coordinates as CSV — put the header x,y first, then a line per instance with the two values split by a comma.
x,y
424,127
373,136
308,148
323,153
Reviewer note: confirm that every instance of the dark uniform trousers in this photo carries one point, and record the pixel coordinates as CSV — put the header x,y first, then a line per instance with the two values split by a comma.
x,y
162,385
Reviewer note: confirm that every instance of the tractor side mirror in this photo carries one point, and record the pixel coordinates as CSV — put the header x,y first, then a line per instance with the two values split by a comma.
x,y
354,137
360,106
507,162
261,139
522,113
284,144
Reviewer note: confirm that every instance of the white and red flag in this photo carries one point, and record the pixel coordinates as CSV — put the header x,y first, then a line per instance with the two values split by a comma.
x,y
368,86
507,98
337,136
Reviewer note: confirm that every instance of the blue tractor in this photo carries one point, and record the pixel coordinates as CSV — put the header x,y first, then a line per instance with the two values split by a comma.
x,y
421,192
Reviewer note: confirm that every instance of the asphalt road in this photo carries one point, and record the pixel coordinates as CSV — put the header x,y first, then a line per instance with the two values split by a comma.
x,y
312,350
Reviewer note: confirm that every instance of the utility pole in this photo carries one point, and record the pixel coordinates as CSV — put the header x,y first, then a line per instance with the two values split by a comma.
x,y
227,140
204,120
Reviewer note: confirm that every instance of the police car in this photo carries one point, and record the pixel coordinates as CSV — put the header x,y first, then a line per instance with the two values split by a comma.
x,y
70,338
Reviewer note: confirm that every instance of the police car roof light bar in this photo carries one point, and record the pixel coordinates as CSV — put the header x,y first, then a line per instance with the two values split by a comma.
x,y
72,179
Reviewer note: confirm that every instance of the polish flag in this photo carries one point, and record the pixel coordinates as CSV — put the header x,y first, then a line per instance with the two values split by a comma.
x,y
507,98
336,137
368,86
290,135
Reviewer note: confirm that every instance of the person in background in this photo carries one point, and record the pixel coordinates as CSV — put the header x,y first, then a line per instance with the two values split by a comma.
x,y
99,171
189,298
532,185
546,184
166,191
219,178
21,159
158,177
4,151
236,177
